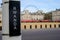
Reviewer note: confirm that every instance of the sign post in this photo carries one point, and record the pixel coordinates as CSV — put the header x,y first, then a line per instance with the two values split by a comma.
x,y
11,20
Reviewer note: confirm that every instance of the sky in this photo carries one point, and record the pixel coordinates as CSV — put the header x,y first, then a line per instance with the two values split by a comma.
x,y
45,5
34,5
0,2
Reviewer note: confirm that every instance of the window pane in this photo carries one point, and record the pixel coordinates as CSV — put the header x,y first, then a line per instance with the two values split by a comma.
x,y
30,26
0,21
35,26
45,26
40,26
24,26
59,25
50,26
54,25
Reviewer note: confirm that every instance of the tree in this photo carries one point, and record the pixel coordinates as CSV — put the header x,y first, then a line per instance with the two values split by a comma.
x,y
48,16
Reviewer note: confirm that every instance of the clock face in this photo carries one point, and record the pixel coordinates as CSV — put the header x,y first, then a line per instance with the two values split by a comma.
x,y
14,18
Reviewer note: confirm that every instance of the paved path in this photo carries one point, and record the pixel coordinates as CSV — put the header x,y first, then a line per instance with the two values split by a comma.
x,y
0,36
45,34
40,34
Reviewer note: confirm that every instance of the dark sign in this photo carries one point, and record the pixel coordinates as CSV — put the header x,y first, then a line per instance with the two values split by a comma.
x,y
14,18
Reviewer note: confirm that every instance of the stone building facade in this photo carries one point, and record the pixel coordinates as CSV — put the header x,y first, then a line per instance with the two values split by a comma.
x,y
40,25
26,15
0,20
56,15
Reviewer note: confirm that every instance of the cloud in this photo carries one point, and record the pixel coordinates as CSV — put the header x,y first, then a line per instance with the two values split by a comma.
x,y
31,2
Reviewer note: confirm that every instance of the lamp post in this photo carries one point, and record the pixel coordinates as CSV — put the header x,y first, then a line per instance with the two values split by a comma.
x,y
11,20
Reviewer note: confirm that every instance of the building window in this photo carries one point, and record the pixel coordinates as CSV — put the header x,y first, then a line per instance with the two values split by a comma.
x,y
30,26
59,25
24,26
0,27
50,26
54,25
40,26
0,21
35,26
45,26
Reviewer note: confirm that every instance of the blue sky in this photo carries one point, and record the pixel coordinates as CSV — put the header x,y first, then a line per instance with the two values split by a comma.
x,y
45,5
34,5
0,2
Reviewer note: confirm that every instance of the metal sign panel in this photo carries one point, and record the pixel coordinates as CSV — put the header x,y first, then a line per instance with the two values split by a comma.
x,y
14,18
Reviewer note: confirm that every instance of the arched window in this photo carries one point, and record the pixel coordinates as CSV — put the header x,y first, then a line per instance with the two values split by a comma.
x,y
0,27
30,26
59,25
45,26
54,25
24,26
35,26
40,26
0,21
50,26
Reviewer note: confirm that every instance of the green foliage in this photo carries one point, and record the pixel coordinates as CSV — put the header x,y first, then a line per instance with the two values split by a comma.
x,y
48,16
